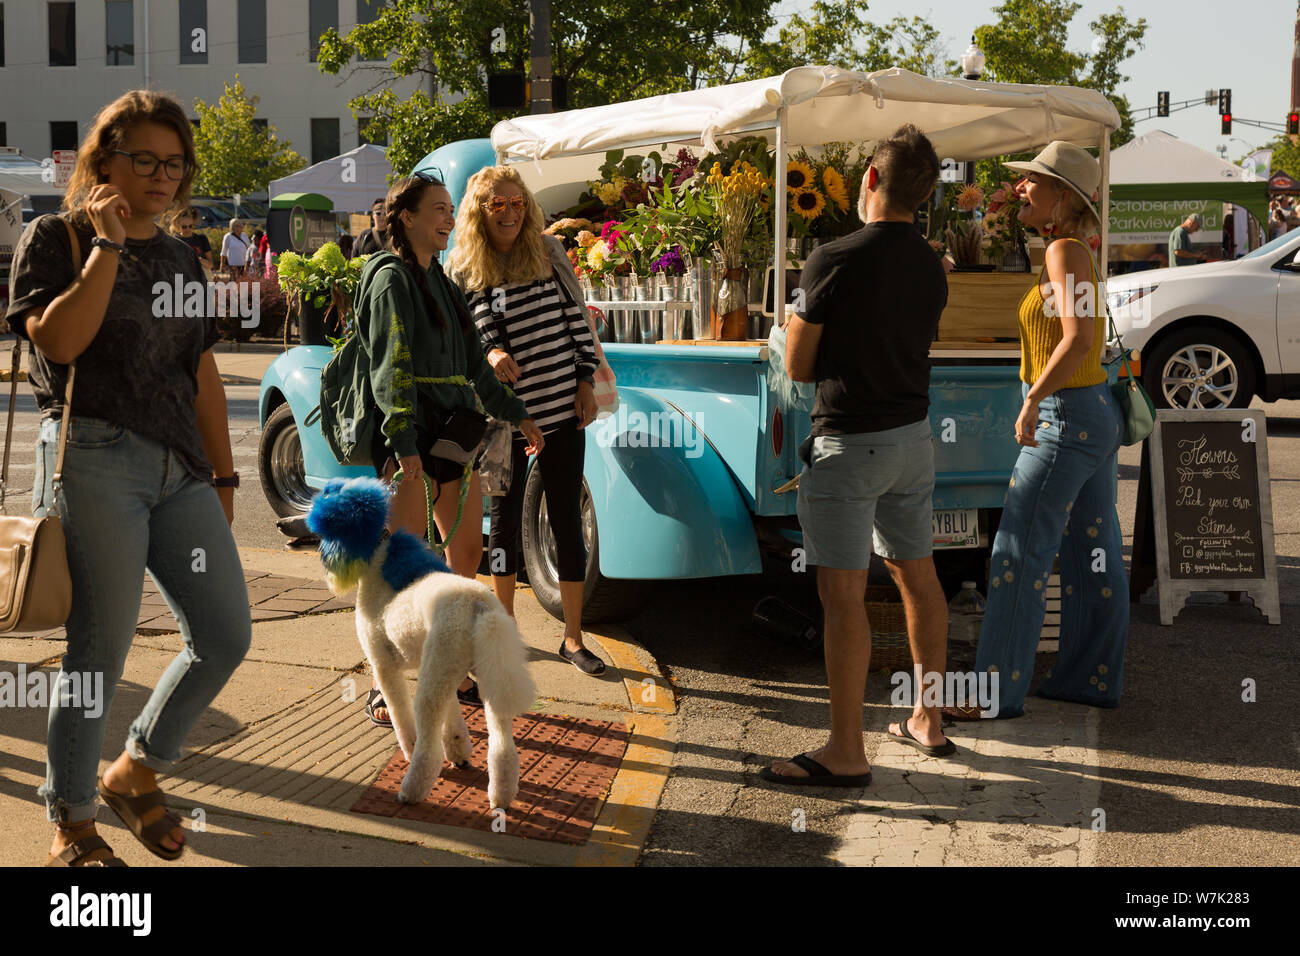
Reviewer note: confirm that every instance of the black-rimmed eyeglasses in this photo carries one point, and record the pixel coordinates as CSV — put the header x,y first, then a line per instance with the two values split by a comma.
x,y
145,164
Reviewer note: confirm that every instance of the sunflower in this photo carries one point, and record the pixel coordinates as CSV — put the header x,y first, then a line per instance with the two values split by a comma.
x,y
809,203
835,191
798,175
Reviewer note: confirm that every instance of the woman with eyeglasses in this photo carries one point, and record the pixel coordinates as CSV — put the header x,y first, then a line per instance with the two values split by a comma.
x,y
426,366
536,336
148,479
183,228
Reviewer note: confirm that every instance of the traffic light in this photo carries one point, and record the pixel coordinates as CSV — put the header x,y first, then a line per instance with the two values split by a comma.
x,y
1162,103
1225,124
1225,102
1293,123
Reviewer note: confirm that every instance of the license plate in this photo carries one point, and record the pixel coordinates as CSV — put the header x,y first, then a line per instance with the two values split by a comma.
x,y
958,528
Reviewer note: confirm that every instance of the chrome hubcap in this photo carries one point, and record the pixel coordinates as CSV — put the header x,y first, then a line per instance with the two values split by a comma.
x,y
1199,376
550,560
288,474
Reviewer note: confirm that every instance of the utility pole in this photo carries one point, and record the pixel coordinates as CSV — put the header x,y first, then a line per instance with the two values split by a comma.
x,y
539,29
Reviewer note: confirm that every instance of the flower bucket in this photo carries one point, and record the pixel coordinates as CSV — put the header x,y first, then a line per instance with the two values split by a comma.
x,y
701,283
674,289
624,289
649,322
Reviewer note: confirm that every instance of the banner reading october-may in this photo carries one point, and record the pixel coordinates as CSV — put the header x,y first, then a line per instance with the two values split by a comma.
x,y
1151,220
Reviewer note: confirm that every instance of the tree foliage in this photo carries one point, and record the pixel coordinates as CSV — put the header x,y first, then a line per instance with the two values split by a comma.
x,y
1286,155
609,50
235,154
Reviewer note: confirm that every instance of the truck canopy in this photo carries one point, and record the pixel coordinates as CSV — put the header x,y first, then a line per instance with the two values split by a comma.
x,y
964,119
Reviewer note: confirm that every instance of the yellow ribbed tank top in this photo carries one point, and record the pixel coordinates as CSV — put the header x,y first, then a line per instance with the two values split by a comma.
x,y
1040,334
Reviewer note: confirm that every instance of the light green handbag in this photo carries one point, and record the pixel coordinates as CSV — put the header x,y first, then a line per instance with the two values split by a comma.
x,y
1135,404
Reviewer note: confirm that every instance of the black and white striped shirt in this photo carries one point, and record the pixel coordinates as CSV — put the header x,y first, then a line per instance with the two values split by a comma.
x,y
549,340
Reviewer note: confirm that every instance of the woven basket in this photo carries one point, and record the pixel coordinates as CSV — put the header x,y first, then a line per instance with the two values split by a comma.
x,y
889,645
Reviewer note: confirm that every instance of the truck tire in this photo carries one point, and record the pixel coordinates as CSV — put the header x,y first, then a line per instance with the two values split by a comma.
x,y
603,599
1193,360
280,465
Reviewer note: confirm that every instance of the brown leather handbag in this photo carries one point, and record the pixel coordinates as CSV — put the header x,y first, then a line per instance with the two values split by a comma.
x,y
35,586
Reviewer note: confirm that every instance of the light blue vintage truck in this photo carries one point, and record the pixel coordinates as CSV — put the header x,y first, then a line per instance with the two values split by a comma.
x,y
687,479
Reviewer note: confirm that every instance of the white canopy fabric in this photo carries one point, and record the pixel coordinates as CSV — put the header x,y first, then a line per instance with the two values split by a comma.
x,y
964,119
1160,157
353,180
21,174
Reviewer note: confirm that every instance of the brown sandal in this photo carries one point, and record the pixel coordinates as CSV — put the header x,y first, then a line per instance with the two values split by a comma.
x,y
75,853
131,811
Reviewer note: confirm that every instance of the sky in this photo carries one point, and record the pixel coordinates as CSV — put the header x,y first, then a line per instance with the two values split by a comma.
x,y
1190,48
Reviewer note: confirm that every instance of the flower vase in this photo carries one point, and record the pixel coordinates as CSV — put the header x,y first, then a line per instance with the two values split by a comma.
x,y
648,320
674,289
731,315
624,319
702,303
1014,260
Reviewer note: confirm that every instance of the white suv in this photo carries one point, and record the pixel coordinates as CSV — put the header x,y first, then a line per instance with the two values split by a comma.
x,y
1216,334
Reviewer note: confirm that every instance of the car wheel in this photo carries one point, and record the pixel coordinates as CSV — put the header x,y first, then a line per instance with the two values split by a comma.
x,y
603,599
280,465
1199,368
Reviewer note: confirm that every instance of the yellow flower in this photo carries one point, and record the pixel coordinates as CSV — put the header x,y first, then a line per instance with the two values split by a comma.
x,y
798,175
596,254
609,193
809,203
835,189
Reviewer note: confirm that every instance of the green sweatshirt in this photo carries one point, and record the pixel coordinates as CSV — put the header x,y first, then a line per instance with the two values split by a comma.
x,y
406,348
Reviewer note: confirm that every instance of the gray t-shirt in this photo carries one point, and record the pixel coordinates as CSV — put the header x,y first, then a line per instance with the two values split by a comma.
x,y
140,370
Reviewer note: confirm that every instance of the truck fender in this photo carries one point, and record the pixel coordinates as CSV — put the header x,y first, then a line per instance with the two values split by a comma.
x,y
294,377
666,505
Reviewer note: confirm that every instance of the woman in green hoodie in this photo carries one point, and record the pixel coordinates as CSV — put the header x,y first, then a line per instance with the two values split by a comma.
x,y
418,334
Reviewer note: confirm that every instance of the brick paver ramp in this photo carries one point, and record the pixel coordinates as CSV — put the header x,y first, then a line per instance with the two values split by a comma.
x,y
566,765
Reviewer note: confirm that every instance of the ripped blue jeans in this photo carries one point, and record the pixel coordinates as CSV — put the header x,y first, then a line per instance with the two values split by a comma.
x,y
1061,499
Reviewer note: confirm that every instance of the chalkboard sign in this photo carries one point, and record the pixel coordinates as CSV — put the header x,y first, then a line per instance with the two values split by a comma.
x,y
1213,509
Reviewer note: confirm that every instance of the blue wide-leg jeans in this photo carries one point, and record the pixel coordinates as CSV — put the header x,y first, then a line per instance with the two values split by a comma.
x,y
1061,498
128,505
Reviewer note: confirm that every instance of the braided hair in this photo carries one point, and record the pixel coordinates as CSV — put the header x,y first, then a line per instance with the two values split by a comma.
x,y
405,195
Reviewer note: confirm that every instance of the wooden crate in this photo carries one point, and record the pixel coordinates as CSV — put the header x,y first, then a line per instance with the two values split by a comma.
x,y
983,305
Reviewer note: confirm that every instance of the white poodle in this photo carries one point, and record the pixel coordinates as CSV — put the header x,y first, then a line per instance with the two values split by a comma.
x,y
414,614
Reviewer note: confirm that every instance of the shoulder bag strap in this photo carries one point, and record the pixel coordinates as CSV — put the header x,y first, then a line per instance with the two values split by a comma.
x,y
9,425
1103,304
57,482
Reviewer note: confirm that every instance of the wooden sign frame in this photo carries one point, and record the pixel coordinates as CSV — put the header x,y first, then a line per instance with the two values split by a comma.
x,y
1175,591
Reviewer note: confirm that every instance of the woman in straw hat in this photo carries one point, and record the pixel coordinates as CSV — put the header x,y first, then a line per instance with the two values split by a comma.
x,y
1061,497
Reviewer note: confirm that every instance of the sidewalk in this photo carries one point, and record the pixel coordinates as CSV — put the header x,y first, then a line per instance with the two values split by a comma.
x,y
286,751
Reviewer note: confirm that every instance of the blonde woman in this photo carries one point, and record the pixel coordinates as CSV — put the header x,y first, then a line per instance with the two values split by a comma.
x,y
536,337
147,443
1062,492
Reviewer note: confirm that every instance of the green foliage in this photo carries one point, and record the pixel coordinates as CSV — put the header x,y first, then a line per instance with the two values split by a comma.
x,y
234,154
1286,155
838,33
610,50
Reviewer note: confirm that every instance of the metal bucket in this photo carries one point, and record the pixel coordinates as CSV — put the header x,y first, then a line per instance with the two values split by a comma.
x,y
649,321
675,289
702,304
624,321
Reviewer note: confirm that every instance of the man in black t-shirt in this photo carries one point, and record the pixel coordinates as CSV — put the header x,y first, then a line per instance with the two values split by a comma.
x,y
870,309
374,239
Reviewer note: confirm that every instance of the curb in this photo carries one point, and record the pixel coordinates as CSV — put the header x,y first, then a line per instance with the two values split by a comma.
x,y
239,380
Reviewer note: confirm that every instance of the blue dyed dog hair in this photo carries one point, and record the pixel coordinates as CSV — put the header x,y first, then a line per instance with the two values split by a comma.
x,y
349,517
408,560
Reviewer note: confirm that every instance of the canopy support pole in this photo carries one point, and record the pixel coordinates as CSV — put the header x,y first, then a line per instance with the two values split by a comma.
x,y
1104,263
779,210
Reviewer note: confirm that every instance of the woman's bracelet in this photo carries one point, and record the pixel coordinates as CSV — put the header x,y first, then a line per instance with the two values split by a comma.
x,y
101,242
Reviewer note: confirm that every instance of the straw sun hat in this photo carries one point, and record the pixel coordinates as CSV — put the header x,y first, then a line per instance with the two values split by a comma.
x,y
1071,165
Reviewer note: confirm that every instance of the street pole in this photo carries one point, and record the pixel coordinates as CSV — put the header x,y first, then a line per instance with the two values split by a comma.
x,y
539,24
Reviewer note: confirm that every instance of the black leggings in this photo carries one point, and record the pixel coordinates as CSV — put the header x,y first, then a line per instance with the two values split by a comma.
x,y
561,464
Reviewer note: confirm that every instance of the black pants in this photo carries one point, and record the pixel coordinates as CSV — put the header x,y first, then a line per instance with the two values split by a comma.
x,y
561,464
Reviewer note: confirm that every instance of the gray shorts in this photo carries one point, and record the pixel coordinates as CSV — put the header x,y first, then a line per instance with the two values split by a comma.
x,y
869,488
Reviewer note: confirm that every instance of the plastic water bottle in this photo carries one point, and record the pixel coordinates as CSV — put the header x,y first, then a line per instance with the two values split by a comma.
x,y
965,614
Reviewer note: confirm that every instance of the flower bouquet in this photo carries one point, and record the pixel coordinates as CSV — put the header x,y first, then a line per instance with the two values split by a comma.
x,y
326,276
737,197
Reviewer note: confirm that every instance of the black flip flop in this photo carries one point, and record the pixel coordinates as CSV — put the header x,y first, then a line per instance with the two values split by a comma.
x,y
818,776
374,702
938,750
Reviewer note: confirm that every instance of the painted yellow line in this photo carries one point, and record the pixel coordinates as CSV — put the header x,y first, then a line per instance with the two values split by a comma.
x,y
620,831
647,693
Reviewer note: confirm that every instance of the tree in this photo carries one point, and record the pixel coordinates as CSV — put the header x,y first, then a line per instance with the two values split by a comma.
x,y
838,33
609,50
1286,155
1028,44
235,154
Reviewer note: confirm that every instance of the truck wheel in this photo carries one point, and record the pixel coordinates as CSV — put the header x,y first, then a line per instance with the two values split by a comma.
x,y
603,599
280,466
1199,368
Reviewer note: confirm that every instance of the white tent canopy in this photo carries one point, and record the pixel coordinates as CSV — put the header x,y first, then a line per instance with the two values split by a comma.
x,y
964,119
353,180
1160,157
